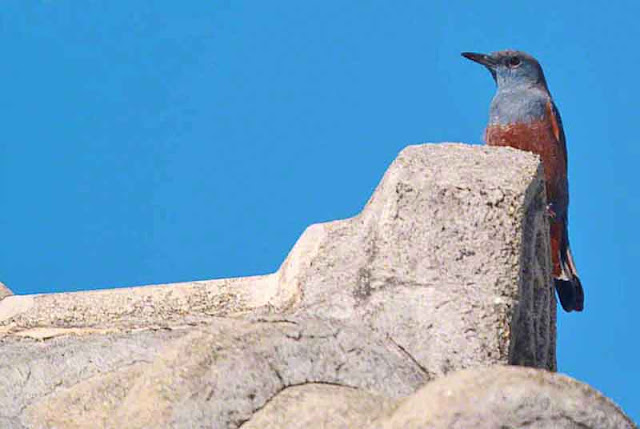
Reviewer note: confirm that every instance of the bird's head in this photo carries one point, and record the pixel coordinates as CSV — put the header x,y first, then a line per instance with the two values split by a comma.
x,y
510,69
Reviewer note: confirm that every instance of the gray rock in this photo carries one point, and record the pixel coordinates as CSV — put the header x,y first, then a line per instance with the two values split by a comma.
x,y
481,398
215,375
321,406
506,397
453,233
446,268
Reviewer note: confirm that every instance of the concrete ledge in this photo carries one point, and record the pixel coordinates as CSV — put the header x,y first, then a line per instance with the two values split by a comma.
x,y
453,232
138,307
447,268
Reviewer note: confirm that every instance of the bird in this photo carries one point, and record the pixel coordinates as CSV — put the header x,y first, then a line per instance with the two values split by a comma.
x,y
524,116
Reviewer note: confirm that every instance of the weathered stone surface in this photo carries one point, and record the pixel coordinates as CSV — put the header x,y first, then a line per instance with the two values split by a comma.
x,y
453,233
214,375
481,398
137,307
320,406
506,397
446,268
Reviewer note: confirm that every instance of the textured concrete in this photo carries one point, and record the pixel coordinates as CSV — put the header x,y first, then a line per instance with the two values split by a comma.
x,y
215,375
139,307
446,268
455,233
483,398
320,406
506,397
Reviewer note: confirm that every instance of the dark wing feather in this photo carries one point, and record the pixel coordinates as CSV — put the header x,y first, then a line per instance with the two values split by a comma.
x,y
558,130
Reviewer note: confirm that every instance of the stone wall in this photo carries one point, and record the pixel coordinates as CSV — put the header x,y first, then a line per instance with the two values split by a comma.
x,y
439,282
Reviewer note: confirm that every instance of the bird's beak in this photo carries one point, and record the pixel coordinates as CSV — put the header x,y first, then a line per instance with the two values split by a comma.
x,y
486,60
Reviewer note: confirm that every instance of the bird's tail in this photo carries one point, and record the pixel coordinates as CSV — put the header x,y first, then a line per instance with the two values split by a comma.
x,y
568,283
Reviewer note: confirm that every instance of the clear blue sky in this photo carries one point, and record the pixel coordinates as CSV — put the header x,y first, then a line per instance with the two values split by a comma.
x,y
154,142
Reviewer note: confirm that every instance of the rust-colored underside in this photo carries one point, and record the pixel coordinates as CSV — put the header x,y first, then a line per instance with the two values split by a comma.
x,y
542,138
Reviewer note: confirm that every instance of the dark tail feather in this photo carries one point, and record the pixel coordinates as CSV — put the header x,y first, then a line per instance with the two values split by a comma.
x,y
568,286
570,293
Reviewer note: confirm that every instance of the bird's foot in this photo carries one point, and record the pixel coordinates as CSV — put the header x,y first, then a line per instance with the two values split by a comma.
x,y
550,212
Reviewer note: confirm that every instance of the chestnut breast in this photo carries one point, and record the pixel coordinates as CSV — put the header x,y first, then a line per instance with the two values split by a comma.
x,y
531,125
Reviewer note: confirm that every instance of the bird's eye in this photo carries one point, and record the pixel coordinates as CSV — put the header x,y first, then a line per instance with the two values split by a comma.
x,y
513,62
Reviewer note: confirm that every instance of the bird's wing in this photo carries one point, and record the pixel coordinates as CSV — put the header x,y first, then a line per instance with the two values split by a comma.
x,y
558,130
562,195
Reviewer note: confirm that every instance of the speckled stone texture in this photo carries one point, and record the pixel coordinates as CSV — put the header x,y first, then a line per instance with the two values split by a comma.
x,y
447,268
481,398
449,260
505,397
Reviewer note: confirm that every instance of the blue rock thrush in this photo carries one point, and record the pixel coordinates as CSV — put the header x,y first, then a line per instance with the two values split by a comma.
x,y
524,116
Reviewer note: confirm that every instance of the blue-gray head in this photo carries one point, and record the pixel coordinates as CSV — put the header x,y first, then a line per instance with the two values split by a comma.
x,y
511,69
